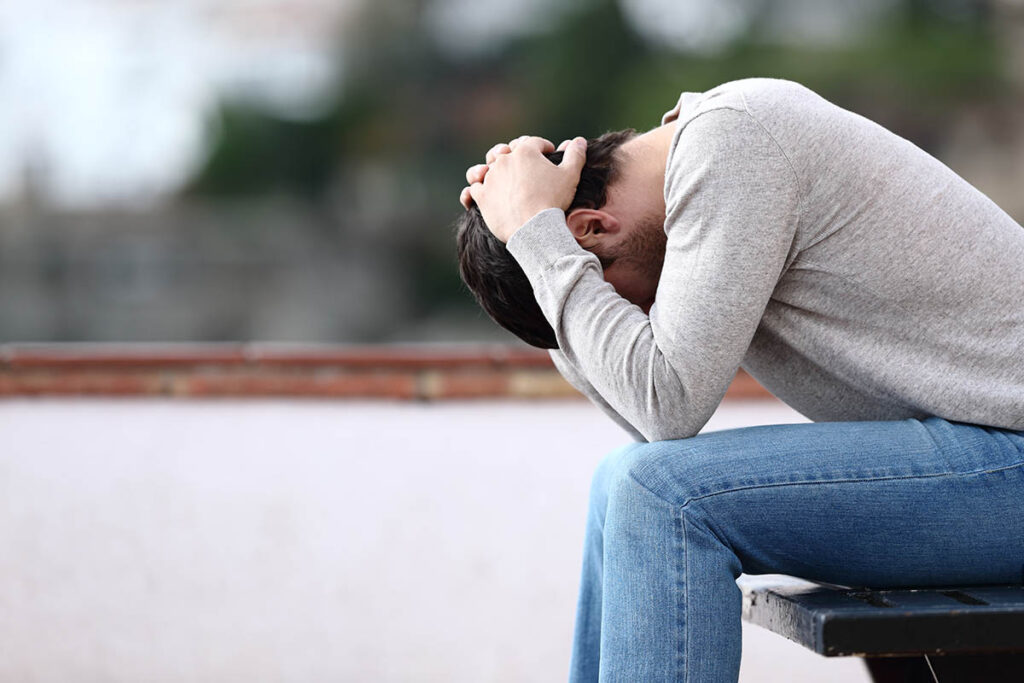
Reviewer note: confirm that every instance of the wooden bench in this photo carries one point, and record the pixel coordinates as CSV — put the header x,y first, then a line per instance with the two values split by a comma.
x,y
950,635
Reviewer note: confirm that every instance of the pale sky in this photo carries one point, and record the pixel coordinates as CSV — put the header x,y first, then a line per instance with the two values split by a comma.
x,y
111,98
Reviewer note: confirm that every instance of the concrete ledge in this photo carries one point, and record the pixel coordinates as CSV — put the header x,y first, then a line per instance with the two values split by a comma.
x,y
239,370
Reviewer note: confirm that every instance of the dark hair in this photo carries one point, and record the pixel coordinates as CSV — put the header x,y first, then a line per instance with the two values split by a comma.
x,y
495,278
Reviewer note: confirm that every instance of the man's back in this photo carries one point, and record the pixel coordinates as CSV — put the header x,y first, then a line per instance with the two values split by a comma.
x,y
903,291
854,275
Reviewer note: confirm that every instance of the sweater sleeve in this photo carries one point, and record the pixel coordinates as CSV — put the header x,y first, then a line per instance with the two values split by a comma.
x,y
732,207
574,377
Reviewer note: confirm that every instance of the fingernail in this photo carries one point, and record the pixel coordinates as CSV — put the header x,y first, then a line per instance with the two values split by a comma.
x,y
580,142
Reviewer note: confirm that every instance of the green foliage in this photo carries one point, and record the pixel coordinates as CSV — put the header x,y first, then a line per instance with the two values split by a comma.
x,y
410,107
257,152
404,100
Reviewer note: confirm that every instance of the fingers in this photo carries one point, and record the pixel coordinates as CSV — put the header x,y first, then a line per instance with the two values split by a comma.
x,y
575,155
493,152
515,143
475,174
542,145
573,158
474,190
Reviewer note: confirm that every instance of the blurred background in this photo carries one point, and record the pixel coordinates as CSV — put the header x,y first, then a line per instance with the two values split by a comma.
x,y
288,170
250,204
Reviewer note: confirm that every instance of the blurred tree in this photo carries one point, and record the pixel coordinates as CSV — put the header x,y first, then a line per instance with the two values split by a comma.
x,y
387,156
257,152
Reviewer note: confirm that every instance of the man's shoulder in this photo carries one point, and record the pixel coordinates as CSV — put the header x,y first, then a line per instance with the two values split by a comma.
x,y
755,96
723,134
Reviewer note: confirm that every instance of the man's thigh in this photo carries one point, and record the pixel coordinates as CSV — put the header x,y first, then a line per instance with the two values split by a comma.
x,y
858,503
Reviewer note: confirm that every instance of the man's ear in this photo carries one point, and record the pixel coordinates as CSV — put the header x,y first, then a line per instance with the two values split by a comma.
x,y
591,226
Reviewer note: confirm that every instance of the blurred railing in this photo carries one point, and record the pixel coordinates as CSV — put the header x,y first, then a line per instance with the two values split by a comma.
x,y
263,370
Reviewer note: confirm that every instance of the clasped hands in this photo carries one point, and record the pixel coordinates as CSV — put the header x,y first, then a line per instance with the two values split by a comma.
x,y
518,181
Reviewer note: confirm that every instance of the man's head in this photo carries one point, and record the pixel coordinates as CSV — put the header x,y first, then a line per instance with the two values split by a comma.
x,y
626,236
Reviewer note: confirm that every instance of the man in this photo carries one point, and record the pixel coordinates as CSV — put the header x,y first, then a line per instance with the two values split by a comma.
x,y
857,278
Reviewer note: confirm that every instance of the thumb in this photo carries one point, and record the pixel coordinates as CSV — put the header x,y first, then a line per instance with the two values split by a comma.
x,y
575,156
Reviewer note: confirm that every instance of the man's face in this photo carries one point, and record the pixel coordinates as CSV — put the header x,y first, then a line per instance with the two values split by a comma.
x,y
638,249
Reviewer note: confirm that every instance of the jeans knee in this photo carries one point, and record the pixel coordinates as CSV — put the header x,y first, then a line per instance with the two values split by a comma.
x,y
614,466
675,471
614,476
639,486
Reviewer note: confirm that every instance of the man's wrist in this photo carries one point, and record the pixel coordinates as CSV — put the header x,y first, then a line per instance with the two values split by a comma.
x,y
541,241
516,220
527,215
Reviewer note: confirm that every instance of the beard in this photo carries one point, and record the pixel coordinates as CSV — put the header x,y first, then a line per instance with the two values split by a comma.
x,y
644,248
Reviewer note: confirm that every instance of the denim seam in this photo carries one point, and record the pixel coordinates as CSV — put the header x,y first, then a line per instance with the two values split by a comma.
x,y
848,480
939,449
682,565
682,656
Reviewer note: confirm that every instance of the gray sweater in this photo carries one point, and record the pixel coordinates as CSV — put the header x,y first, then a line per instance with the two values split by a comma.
x,y
851,273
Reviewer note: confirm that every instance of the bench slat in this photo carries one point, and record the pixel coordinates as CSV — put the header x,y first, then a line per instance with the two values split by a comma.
x,y
837,621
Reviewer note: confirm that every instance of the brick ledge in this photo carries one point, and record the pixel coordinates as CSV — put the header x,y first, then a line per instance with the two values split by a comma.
x,y
260,370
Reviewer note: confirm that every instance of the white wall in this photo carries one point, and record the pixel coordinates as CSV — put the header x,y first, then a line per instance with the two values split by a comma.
x,y
157,540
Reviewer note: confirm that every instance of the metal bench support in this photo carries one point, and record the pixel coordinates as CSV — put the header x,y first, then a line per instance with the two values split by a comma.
x,y
968,633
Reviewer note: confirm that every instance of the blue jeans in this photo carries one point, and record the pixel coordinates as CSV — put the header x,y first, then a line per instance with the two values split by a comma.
x,y
672,524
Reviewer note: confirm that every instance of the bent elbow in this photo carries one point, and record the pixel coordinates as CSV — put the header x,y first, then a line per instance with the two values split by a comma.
x,y
678,418
663,432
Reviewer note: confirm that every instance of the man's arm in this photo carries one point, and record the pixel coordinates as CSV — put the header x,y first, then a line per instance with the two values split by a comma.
x,y
575,378
732,202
